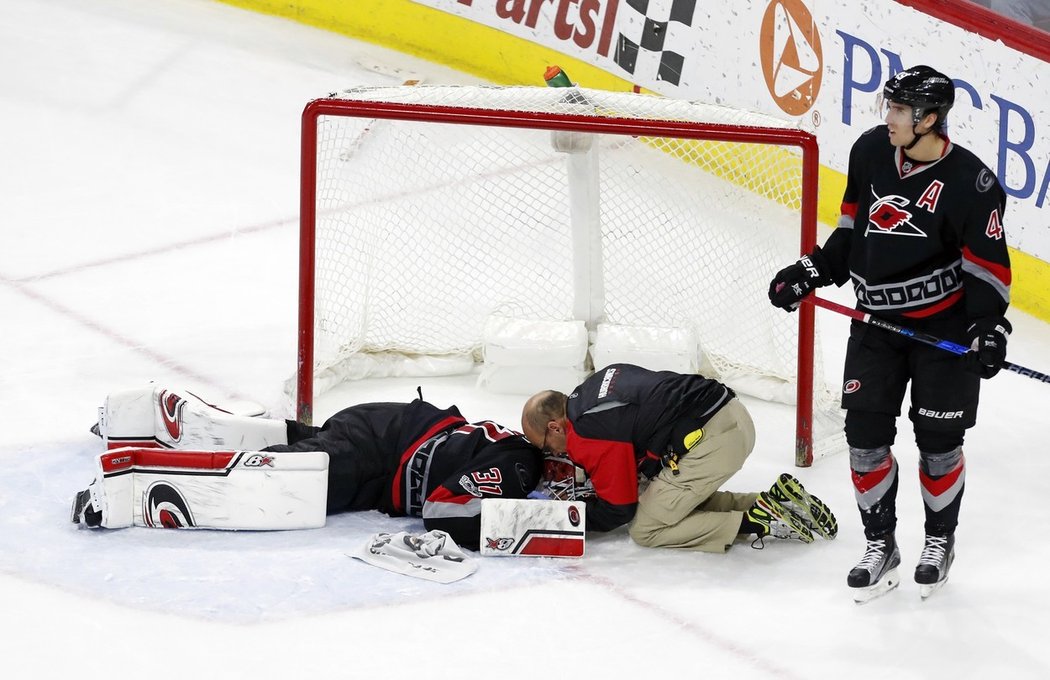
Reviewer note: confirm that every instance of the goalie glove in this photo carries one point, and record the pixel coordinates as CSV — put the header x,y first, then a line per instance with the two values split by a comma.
x,y
987,346
795,282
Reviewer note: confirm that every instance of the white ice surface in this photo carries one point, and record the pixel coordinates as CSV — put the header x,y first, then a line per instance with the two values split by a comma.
x,y
148,206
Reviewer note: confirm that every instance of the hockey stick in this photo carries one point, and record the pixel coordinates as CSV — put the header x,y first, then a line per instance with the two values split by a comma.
x,y
946,345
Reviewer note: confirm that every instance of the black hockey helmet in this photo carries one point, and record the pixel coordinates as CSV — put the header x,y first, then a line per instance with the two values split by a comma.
x,y
924,90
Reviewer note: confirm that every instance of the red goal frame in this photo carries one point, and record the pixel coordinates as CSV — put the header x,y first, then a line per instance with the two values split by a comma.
x,y
314,110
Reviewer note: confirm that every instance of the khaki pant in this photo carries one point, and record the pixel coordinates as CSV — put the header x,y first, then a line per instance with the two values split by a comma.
x,y
687,510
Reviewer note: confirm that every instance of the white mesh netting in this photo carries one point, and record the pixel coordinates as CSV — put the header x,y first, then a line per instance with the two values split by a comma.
x,y
424,229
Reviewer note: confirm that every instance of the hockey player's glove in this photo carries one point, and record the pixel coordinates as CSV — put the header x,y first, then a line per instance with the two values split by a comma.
x,y
793,283
987,346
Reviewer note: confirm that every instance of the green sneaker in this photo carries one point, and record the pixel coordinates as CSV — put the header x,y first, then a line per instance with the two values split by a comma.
x,y
776,520
790,493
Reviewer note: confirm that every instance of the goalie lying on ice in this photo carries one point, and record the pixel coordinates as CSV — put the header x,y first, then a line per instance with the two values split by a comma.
x,y
174,460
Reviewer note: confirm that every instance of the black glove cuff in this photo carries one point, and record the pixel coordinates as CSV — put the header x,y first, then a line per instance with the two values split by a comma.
x,y
817,267
996,324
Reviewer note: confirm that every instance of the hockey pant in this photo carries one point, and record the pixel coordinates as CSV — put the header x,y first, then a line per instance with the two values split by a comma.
x,y
944,398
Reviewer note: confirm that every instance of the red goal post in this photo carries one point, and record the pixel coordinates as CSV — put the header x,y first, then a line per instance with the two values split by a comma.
x,y
359,149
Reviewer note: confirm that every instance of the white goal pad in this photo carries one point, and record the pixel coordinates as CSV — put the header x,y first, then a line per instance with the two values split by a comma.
x,y
250,490
531,527
524,356
652,347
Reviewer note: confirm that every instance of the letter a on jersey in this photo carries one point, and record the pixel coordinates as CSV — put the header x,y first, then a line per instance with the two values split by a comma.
x,y
928,200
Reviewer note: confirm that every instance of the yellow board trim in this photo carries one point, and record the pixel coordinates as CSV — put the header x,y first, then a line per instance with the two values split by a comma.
x,y
501,58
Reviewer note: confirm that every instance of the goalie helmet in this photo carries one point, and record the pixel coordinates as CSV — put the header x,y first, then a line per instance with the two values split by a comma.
x,y
924,89
563,480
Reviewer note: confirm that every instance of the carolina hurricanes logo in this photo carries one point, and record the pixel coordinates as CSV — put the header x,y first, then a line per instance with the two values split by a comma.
x,y
851,386
499,543
888,216
574,516
171,406
164,506
985,180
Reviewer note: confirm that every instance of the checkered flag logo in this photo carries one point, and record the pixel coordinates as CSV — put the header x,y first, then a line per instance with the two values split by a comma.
x,y
654,36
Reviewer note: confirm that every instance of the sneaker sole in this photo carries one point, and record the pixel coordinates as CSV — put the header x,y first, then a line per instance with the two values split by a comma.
x,y
811,507
775,509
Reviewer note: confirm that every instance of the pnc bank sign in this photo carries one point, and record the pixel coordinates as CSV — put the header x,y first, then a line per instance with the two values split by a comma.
x,y
791,56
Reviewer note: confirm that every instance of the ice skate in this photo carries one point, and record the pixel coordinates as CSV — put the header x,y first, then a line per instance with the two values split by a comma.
x,y
83,511
936,560
876,573
777,521
790,493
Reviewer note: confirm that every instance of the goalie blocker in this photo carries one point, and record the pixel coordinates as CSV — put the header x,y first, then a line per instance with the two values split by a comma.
x,y
532,527
151,487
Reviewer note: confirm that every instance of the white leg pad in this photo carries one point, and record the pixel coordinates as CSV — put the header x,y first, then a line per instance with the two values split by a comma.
x,y
174,418
249,490
532,527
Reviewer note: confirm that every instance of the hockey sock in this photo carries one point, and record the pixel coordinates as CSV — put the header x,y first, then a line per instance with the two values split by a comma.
x,y
943,479
874,473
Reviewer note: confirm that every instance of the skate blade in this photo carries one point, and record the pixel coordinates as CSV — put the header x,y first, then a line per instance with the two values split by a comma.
x,y
927,589
888,582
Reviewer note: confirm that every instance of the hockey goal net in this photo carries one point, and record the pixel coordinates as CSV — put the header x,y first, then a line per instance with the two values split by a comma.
x,y
426,210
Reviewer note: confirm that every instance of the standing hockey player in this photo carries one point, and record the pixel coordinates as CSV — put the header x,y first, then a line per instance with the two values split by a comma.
x,y
921,236
687,435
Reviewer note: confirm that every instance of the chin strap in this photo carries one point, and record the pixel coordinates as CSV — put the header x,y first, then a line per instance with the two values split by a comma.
x,y
918,136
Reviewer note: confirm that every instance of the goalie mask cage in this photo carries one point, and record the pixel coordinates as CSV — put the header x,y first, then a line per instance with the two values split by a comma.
x,y
426,209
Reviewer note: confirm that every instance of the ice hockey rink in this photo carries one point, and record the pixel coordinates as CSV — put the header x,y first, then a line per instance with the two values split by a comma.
x,y
148,232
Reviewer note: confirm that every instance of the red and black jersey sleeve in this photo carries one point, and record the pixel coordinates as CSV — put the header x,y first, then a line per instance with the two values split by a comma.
x,y
837,248
477,461
985,258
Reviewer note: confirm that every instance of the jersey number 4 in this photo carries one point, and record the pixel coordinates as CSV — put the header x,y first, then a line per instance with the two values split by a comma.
x,y
994,229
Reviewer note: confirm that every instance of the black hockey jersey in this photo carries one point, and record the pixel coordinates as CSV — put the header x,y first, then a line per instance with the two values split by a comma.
x,y
420,460
921,238
621,420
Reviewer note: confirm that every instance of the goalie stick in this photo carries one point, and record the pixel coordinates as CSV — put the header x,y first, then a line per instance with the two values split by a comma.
x,y
946,345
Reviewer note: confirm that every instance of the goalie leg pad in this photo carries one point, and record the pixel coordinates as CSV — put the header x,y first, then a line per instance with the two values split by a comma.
x,y
248,490
170,418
